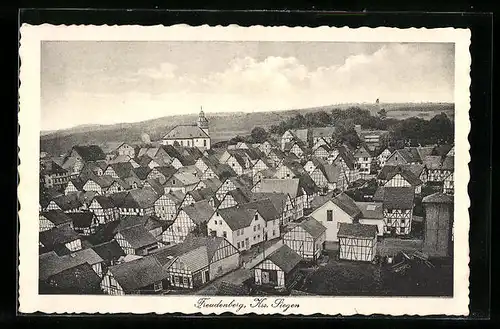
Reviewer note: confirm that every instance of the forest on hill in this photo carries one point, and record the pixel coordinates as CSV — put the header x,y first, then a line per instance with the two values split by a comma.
x,y
225,126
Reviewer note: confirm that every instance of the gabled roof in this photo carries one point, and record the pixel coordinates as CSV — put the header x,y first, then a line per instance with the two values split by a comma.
x,y
442,150
408,175
156,186
57,236
372,210
301,134
172,151
50,263
222,170
176,195
167,171
438,197
357,230
285,258
347,204
288,186
139,273
432,162
122,169
362,152
140,198
395,197
240,195
50,168
185,178
331,172
82,219
68,202
212,183
56,217
105,201
313,227
424,151
110,147
80,279
90,152
448,163
78,183
138,236
120,159
265,207
186,131
347,156
237,217
277,199
141,172
102,181
199,212
110,250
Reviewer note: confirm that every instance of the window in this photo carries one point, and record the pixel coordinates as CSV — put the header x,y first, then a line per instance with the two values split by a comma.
x,y
274,232
238,245
258,226
256,217
204,142
329,215
158,286
255,228
224,234
185,281
173,181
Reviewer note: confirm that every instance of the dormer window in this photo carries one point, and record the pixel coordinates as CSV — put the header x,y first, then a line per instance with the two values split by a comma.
x,y
256,217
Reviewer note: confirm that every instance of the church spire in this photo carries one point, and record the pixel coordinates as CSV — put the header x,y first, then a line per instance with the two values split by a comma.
x,y
202,121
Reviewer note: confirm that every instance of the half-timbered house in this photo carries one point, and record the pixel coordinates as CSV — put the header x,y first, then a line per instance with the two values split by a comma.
x,y
326,177
129,278
139,202
372,213
62,239
53,175
307,239
357,242
67,203
330,211
198,260
104,209
364,160
74,185
398,203
192,218
400,176
241,226
278,270
162,173
84,223
448,184
166,206
53,218
383,156
183,182
136,240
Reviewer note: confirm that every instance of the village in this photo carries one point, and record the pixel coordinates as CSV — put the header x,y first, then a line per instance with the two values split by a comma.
x,y
297,214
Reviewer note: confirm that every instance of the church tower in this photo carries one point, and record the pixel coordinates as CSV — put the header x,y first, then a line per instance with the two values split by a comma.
x,y
203,122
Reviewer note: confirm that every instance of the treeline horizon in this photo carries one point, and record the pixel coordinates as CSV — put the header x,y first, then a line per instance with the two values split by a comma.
x,y
413,131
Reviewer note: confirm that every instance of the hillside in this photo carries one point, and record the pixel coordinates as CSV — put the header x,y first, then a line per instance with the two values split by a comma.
x,y
223,126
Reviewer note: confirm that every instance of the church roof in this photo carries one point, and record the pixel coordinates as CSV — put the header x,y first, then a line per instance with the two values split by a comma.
x,y
186,131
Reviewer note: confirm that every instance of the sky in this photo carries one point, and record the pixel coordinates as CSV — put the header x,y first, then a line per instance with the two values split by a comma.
x,y
107,82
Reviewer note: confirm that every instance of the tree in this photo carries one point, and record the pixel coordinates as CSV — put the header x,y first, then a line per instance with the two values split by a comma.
x,y
259,134
382,114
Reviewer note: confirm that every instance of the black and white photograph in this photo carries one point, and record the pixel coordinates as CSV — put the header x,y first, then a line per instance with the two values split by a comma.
x,y
255,169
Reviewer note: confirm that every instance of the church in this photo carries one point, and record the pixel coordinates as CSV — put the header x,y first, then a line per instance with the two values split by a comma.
x,y
195,135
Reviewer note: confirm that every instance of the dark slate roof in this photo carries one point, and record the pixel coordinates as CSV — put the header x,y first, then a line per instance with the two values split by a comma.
x,y
362,152
347,156
347,204
320,200
448,163
140,198
80,279
408,175
122,169
167,171
50,263
438,197
240,195
78,183
202,194
68,202
372,210
141,172
288,186
56,217
138,236
110,250
139,273
331,172
199,212
171,151
357,230
395,197
57,236
90,152
442,150
313,227
50,168
197,251
105,201
432,162
278,199
285,258
237,217
82,219
156,186
265,208
186,131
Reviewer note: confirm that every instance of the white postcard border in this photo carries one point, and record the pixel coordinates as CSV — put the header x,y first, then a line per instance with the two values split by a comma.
x,y
29,121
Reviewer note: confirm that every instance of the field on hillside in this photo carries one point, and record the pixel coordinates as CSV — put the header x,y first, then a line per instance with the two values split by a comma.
x,y
223,126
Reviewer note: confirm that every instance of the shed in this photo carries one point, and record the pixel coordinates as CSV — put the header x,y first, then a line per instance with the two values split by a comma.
x,y
279,269
357,242
307,239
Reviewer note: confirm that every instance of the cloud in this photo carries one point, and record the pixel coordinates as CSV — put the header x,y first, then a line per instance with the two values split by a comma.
x,y
393,73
